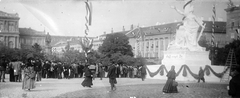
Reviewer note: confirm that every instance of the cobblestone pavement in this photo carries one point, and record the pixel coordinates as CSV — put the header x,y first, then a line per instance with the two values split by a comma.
x,y
190,90
126,88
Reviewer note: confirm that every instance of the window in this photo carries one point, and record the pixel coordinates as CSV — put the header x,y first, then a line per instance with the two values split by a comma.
x,y
156,43
1,25
161,44
232,25
166,43
11,26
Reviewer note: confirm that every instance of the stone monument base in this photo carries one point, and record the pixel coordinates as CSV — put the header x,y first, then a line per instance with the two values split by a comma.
x,y
190,58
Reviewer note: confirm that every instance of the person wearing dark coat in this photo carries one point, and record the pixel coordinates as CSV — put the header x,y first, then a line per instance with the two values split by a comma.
x,y
112,75
87,82
3,65
143,72
201,75
38,69
234,84
59,70
80,70
168,87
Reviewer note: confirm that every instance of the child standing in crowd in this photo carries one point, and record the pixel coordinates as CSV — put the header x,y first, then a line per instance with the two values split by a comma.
x,y
112,74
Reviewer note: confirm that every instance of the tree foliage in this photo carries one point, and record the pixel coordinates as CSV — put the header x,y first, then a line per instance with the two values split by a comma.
x,y
116,43
116,49
221,54
21,54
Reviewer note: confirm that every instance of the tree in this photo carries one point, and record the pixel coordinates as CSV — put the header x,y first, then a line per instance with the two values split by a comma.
x,y
204,43
221,54
114,48
116,43
37,51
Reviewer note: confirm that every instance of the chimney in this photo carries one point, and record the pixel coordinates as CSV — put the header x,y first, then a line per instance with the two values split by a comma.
x,y
123,28
112,30
132,27
104,32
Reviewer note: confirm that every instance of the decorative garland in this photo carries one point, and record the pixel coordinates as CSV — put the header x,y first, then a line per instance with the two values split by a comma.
x,y
185,68
160,70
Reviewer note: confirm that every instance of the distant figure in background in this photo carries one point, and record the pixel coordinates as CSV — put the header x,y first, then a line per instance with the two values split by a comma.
x,y
11,72
87,82
234,84
16,65
168,87
29,75
3,65
101,71
201,75
38,69
143,72
112,75
80,70
134,72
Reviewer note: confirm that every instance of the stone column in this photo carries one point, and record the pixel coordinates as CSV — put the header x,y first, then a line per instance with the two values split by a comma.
x,y
142,47
7,40
159,48
154,47
18,42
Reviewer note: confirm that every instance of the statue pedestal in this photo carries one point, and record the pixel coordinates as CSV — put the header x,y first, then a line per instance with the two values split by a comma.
x,y
190,58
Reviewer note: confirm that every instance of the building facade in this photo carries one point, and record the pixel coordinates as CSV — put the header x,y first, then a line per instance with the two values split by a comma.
x,y
29,36
9,32
150,42
233,21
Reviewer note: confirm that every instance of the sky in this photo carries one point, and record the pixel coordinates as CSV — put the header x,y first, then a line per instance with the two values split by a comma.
x,y
66,17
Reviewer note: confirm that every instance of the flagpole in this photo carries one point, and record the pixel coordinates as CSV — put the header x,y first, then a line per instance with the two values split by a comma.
x,y
213,36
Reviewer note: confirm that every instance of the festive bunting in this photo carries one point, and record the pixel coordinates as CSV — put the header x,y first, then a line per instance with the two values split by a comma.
x,y
185,68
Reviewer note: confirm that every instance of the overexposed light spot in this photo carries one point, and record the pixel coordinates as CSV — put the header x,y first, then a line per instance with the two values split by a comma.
x,y
44,18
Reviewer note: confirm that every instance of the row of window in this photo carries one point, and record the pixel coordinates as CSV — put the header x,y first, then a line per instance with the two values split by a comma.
x,y
8,26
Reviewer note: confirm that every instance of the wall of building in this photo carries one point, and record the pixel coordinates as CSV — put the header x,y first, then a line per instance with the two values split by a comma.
x,y
9,31
233,22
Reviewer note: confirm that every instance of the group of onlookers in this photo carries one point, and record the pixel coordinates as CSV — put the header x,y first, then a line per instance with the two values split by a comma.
x,y
60,70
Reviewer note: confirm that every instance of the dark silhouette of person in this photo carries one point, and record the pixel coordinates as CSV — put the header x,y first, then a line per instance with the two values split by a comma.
x,y
168,87
201,75
234,84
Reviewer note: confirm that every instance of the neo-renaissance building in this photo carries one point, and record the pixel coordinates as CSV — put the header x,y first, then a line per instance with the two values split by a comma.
x,y
151,41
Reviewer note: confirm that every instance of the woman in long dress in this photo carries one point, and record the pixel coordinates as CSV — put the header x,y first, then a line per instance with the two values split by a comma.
x,y
168,87
29,75
87,82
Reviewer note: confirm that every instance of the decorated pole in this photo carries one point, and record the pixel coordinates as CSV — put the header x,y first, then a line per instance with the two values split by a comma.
x,y
213,30
85,42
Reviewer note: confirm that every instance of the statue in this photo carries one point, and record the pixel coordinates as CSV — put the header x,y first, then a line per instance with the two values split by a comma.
x,y
48,39
187,32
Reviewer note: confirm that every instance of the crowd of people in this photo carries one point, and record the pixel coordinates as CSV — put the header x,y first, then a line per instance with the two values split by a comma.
x,y
35,69
19,70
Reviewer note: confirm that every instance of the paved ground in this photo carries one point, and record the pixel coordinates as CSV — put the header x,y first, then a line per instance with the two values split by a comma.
x,y
126,88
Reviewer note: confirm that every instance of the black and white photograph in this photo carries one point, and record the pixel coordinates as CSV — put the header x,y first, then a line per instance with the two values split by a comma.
x,y
119,48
